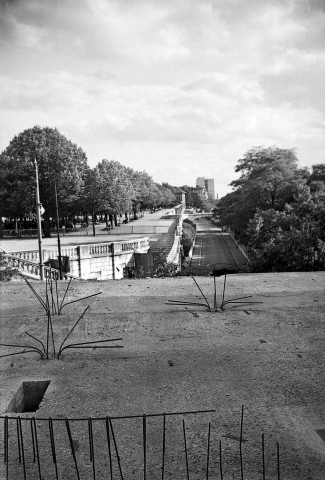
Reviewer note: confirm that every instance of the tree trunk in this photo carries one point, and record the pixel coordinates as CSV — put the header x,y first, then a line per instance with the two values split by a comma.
x,y
115,219
111,220
47,227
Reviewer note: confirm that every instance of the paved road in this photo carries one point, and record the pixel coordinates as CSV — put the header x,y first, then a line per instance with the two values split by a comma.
x,y
212,247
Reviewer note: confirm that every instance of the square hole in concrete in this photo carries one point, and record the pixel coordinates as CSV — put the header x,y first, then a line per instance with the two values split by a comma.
x,y
28,396
321,433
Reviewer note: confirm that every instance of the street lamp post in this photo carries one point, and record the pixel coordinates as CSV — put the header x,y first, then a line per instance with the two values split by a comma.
x,y
58,230
39,224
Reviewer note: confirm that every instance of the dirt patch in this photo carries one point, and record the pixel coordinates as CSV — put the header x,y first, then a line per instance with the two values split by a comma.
x,y
268,357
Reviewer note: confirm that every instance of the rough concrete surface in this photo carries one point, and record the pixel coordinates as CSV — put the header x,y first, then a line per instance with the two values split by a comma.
x,y
267,357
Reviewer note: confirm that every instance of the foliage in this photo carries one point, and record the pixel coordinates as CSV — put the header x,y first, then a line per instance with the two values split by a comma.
x,y
161,268
193,199
269,178
188,236
290,240
58,159
6,272
108,188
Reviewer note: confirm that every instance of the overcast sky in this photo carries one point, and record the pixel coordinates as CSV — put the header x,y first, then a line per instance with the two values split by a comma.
x,y
178,88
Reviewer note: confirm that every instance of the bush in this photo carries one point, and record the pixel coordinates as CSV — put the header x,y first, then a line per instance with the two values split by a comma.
x,y
188,236
6,273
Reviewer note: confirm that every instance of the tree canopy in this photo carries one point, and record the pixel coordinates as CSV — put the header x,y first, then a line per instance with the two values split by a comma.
x,y
277,210
59,161
108,188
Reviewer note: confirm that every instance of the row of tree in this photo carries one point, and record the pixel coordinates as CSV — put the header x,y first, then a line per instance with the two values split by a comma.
x,y
109,188
277,210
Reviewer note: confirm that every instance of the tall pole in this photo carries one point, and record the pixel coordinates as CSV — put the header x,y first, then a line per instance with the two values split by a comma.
x,y
58,229
39,224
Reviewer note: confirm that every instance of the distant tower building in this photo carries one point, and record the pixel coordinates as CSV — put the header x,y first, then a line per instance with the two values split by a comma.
x,y
209,186
200,182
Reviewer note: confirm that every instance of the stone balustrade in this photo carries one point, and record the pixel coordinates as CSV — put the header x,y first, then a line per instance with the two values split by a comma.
x,y
100,261
21,264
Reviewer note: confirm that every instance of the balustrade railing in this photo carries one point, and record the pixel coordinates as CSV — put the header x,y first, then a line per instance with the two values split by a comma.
x,y
100,249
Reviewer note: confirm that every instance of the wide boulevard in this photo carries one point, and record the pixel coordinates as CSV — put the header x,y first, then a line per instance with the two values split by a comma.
x,y
213,247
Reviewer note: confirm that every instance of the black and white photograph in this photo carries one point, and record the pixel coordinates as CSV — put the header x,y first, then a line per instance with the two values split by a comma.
x,y
162,240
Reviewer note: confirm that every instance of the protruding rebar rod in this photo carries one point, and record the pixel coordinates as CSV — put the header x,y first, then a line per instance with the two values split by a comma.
x,y
48,333
144,442
22,447
52,335
278,458
57,295
202,294
84,345
53,447
91,446
6,445
65,293
79,299
21,346
115,445
185,447
180,302
37,450
240,298
22,353
241,443
72,329
220,460
109,446
208,452
72,447
52,296
5,439
164,448
18,441
223,292
92,342
263,456
34,291
33,440
37,340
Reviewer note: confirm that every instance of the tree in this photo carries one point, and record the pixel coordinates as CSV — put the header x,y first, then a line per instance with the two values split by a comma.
x,y
290,240
269,179
117,191
318,172
270,174
92,198
59,160
193,199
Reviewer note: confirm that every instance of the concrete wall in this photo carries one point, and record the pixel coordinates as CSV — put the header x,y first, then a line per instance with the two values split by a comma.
x,y
28,396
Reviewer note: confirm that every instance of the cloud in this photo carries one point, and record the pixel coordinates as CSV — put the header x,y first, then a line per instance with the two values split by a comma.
x,y
194,79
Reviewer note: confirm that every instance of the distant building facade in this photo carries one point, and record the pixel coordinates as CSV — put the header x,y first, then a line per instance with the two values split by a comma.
x,y
208,185
200,182
180,195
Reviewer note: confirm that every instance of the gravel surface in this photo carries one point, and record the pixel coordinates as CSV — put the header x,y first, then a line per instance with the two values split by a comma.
x,y
267,358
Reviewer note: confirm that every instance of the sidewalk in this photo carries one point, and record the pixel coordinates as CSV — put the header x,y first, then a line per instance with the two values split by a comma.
x,y
149,219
